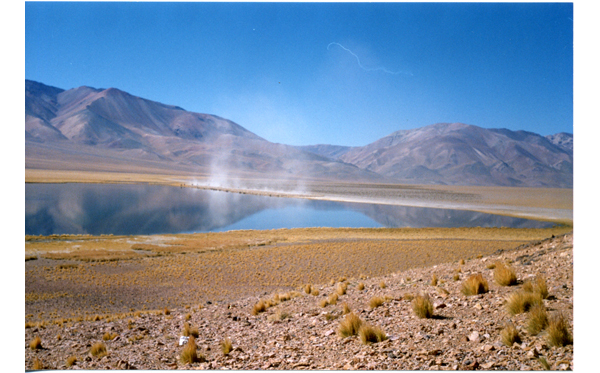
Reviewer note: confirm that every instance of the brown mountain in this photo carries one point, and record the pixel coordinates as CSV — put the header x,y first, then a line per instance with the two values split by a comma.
x,y
108,129
456,153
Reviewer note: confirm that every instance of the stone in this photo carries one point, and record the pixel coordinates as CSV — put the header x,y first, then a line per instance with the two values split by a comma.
x,y
474,337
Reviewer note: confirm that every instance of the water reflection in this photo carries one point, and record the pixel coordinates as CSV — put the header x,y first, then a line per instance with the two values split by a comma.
x,y
150,209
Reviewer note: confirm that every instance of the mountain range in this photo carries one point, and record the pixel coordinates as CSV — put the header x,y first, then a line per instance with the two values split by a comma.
x,y
107,129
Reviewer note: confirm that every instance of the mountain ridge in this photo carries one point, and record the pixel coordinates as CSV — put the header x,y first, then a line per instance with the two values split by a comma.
x,y
128,128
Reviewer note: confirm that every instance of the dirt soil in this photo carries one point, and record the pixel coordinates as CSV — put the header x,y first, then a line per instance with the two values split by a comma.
x,y
298,330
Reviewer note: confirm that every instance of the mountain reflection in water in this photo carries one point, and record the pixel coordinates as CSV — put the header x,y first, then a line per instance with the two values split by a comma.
x,y
151,209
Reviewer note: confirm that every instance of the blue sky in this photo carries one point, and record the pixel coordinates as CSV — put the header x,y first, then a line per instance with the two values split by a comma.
x,y
314,73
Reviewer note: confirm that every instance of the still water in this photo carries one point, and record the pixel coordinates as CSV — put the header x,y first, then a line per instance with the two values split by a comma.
x,y
150,209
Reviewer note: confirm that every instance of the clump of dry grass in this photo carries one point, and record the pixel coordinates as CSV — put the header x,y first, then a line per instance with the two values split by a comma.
x,y
505,275
341,288
491,266
382,285
278,316
542,360
538,319
36,343
98,349
422,307
108,336
475,284
461,262
166,311
190,331
189,354
333,298
408,297
558,331
537,285
350,325
307,288
71,360
434,280
371,334
259,307
324,303
226,346
37,364
360,286
376,302
314,292
510,335
522,301
456,277
346,309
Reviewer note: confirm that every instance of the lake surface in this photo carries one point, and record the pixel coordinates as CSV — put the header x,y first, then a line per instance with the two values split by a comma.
x,y
151,209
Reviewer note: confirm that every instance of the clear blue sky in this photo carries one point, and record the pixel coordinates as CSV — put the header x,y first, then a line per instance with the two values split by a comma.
x,y
310,73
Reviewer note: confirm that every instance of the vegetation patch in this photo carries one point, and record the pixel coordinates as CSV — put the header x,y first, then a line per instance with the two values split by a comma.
x,y
475,284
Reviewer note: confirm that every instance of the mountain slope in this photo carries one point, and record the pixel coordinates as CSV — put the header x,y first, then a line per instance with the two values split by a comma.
x,y
86,127
107,129
456,153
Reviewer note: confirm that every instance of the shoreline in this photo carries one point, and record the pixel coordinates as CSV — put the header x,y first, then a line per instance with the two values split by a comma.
x,y
503,201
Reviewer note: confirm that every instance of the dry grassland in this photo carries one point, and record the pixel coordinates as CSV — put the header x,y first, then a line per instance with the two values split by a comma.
x,y
115,276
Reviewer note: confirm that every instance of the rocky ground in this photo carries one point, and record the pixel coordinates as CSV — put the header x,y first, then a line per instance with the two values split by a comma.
x,y
302,333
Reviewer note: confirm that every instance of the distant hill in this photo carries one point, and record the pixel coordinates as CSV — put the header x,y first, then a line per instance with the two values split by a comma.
x,y
89,128
107,129
456,153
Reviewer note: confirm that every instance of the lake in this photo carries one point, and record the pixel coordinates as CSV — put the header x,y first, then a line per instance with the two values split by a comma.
x,y
128,209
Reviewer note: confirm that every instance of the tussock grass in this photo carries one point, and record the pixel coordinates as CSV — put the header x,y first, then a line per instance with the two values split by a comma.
x,y
38,364
510,335
408,296
259,307
491,266
434,280
307,288
461,262
189,354
542,360
226,346
314,292
504,275
324,303
456,277
71,360
371,334
422,307
108,336
475,284
166,311
346,309
278,316
558,331
333,298
360,286
382,285
376,302
36,343
537,320
98,349
522,301
341,288
537,285
190,331
350,325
